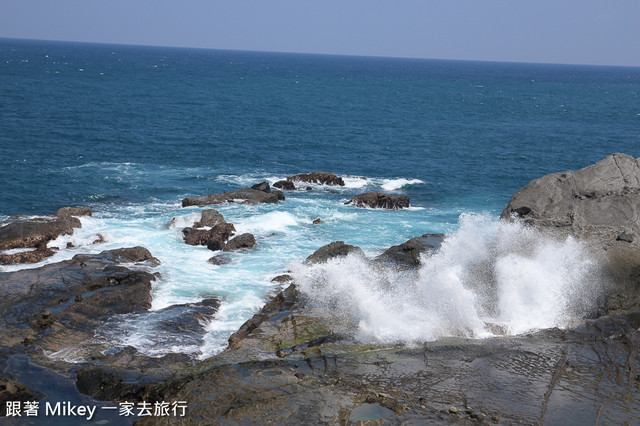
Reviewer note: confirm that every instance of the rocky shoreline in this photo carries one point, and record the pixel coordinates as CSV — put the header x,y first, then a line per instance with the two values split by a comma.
x,y
294,362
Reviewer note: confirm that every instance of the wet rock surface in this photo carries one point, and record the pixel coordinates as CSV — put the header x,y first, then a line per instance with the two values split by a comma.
x,y
332,250
209,218
599,204
285,184
241,242
52,315
408,253
322,178
243,196
379,200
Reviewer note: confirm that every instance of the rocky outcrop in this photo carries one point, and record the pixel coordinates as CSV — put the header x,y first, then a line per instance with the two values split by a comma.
x,y
285,184
203,237
408,253
599,204
24,232
243,196
240,242
321,178
74,211
379,200
598,201
332,250
209,218
262,186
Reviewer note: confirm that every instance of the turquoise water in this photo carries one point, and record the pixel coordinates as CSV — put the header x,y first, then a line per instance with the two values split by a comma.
x,y
130,131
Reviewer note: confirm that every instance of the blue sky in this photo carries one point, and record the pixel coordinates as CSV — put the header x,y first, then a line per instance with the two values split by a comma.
x,y
557,31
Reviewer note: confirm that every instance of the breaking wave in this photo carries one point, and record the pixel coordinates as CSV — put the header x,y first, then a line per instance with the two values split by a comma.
x,y
488,278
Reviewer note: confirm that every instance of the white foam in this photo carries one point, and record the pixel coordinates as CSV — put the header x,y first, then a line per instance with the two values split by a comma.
x,y
487,272
17,250
395,184
275,221
355,181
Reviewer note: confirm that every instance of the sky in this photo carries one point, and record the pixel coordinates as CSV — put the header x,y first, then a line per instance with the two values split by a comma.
x,y
551,31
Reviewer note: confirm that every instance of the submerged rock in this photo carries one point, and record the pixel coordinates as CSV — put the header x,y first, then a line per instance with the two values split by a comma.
x,y
240,242
285,184
331,250
379,200
244,196
321,178
408,253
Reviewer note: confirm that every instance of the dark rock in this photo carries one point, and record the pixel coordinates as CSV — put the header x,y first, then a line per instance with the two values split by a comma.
x,y
282,278
279,194
627,238
219,234
408,253
11,390
219,259
317,221
285,184
33,256
245,196
308,188
321,178
379,200
209,218
335,249
283,301
99,239
74,211
242,241
126,255
34,232
262,186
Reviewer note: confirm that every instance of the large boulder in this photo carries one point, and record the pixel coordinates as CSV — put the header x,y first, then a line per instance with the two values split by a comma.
x,y
333,250
244,196
601,200
408,253
209,218
242,241
321,178
600,205
379,200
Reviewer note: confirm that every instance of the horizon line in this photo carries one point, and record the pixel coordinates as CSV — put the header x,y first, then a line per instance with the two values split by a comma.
x,y
346,55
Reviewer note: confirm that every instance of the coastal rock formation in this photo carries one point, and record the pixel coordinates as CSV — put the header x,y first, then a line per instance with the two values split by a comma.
x,y
262,186
74,211
240,242
202,237
331,250
243,196
285,184
33,232
408,253
379,200
209,218
599,204
321,178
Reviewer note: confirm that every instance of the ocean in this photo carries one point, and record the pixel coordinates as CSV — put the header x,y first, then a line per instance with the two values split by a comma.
x,y
130,131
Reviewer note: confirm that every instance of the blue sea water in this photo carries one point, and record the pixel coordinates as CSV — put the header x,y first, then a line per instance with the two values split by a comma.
x,y
130,131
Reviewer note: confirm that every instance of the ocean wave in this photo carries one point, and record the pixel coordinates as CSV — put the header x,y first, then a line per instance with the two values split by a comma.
x,y
487,276
395,184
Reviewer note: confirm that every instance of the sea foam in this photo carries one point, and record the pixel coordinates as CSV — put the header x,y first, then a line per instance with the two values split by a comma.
x,y
489,277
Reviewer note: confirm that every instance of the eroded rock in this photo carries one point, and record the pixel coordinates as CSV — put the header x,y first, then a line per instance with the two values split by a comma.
x,y
322,178
379,200
332,250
